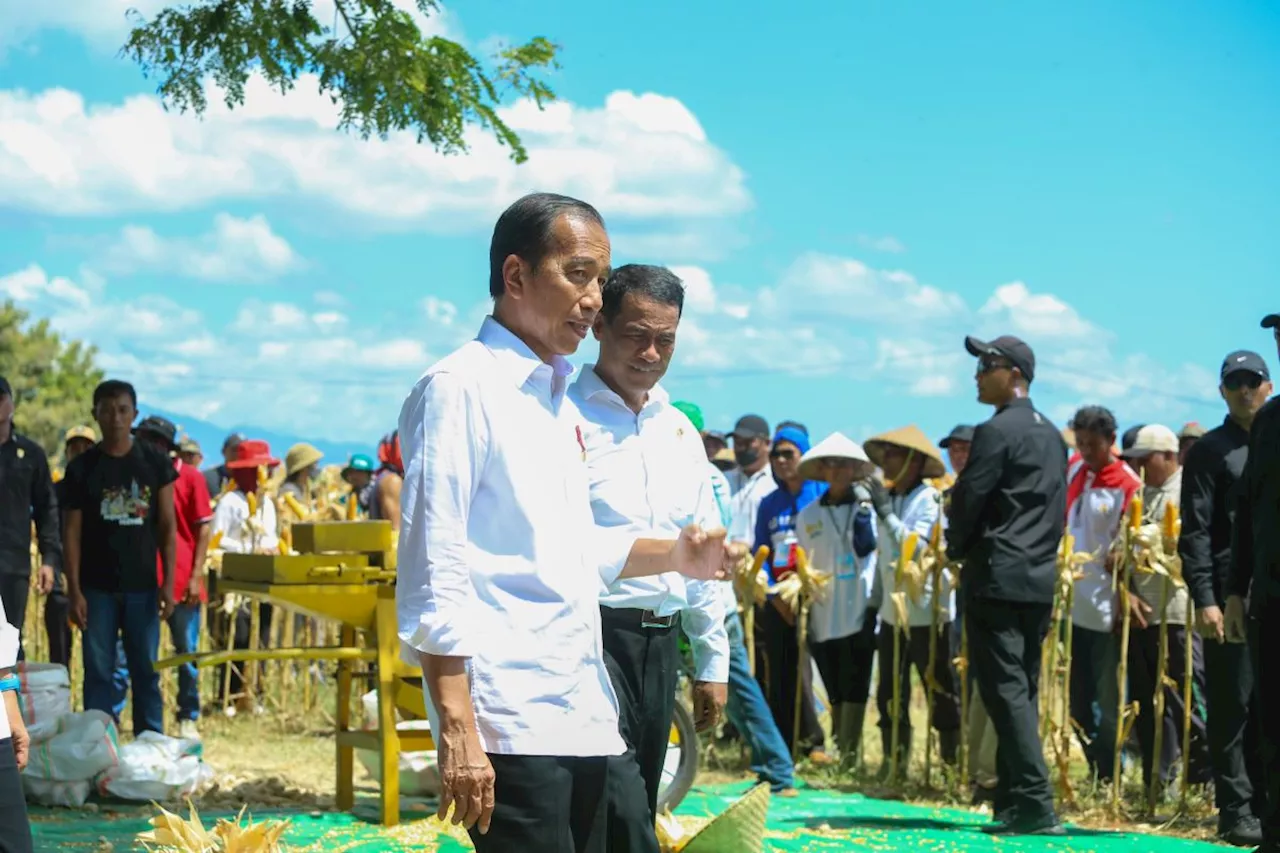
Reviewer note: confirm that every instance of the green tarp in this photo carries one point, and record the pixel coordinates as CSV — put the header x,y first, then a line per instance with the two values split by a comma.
x,y
814,821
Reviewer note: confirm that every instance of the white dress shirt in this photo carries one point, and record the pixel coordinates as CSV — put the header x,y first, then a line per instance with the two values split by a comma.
x,y
9,639
500,560
231,519
648,472
912,513
746,504
826,534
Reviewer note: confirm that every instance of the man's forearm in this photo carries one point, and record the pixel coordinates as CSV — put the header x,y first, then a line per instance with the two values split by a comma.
x,y
648,557
168,556
450,688
71,564
202,550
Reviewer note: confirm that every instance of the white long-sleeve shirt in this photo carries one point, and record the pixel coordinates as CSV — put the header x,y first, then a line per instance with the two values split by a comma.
x,y
825,532
500,560
648,472
9,640
231,519
912,513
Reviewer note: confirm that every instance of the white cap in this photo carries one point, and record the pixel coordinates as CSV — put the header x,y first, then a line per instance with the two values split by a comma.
x,y
1152,438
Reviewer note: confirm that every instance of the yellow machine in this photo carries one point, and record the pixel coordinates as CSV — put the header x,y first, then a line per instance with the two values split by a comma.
x,y
345,572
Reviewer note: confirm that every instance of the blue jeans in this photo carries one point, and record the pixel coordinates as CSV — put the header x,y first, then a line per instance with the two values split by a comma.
x,y
184,627
750,715
135,618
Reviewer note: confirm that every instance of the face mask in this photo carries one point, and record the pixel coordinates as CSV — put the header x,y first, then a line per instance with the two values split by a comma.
x,y
745,456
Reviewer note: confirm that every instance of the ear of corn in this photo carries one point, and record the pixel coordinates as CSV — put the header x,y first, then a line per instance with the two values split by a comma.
x,y
253,504
170,832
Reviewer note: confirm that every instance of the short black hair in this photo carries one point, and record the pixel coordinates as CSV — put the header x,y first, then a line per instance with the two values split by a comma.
x,y
1095,419
524,230
793,424
651,282
114,388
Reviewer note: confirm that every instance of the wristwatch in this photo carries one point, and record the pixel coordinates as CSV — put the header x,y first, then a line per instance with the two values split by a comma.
x,y
10,682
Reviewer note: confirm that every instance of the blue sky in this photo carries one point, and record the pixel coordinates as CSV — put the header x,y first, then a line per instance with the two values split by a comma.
x,y
847,190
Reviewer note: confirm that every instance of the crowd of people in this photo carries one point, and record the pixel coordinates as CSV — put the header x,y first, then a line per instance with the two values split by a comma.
x,y
560,529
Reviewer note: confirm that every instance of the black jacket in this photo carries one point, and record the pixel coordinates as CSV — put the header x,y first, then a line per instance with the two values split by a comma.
x,y
1009,507
1255,548
1210,483
26,495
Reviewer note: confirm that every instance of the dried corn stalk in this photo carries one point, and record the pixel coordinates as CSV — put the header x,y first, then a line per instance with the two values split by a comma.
x,y
173,834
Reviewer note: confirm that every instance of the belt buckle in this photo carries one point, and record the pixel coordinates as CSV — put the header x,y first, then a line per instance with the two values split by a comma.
x,y
649,619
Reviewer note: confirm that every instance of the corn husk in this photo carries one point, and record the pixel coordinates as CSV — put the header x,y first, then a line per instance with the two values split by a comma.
x,y
173,834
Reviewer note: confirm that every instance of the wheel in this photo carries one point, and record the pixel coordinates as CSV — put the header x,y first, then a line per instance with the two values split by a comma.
x,y
681,766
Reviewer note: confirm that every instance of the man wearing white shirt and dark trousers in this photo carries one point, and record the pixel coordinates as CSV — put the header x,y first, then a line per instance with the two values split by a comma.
x,y
500,562
646,464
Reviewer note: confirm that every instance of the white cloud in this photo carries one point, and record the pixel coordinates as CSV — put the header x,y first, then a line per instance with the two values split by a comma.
x,y
29,284
637,158
825,286
234,250
887,243
699,292
440,311
1015,309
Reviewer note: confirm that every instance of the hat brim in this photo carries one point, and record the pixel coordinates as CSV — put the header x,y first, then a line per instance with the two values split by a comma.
x,y
1271,321
811,469
237,464
303,463
143,430
978,348
875,448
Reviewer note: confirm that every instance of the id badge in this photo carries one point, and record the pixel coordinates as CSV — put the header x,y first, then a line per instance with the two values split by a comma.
x,y
846,568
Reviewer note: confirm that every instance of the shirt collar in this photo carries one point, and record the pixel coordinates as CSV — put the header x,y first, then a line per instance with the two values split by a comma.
x,y
591,385
514,356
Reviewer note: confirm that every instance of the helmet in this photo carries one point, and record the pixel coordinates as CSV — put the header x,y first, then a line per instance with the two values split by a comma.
x,y
359,462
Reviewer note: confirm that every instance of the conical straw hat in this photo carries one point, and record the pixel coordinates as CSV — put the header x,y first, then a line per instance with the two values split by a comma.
x,y
912,438
835,446
739,828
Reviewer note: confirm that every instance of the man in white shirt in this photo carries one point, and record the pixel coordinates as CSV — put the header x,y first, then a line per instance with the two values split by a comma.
x,y
15,830
501,565
646,464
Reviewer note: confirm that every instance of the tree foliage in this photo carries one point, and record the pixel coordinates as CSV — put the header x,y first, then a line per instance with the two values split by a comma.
x,y
52,380
378,67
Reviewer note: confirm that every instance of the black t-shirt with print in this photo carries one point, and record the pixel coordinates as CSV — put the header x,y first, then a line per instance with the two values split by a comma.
x,y
120,513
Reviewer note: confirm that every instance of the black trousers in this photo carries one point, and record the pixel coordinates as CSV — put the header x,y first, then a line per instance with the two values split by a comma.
x,y
1005,638
1264,633
1234,746
14,590
914,652
546,804
644,666
845,666
1144,658
776,671
57,623
15,829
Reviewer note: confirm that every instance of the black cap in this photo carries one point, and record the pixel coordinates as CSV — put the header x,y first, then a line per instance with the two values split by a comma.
x,y
751,426
962,432
5,390
161,427
1271,321
1006,346
1130,437
1244,360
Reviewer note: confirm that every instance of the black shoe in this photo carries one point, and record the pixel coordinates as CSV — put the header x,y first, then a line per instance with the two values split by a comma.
x,y
1245,832
1047,825
983,795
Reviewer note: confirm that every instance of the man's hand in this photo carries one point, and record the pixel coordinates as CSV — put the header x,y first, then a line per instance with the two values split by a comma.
x,y
166,601
466,779
44,580
880,498
1234,620
1210,623
1139,610
79,608
705,554
21,740
194,587
709,698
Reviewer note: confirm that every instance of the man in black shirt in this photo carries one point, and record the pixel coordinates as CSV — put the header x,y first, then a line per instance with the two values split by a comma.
x,y
26,495
1210,486
119,514
1255,578
57,608
1008,510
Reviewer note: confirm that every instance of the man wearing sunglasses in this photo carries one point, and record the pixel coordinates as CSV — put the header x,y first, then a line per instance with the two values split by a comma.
x,y
1255,577
1210,481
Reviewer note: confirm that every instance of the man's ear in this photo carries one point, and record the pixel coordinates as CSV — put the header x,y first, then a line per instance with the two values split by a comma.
x,y
597,325
514,276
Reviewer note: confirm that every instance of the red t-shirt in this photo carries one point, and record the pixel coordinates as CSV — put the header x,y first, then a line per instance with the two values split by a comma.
x,y
190,510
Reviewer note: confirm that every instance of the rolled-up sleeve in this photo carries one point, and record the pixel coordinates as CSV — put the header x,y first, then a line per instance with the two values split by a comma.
x,y
9,640
703,622
610,548
442,440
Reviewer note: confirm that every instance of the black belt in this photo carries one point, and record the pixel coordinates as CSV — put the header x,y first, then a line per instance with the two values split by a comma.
x,y
636,616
